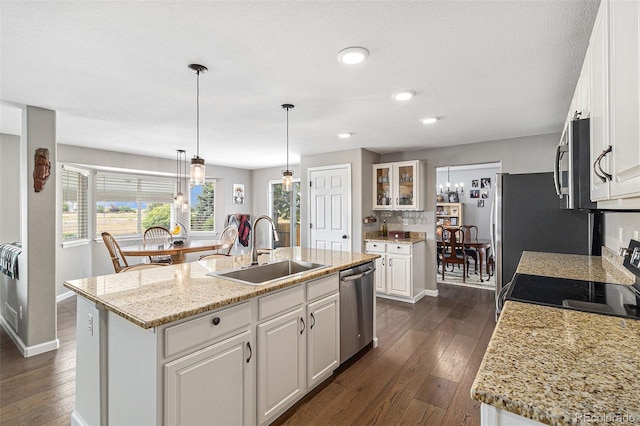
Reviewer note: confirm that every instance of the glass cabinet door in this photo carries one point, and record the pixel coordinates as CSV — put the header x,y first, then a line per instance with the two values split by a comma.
x,y
406,176
383,187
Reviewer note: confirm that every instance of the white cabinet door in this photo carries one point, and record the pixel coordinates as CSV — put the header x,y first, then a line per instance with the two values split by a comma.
x,y
380,274
190,397
281,363
599,101
323,338
624,98
399,275
407,178
383,192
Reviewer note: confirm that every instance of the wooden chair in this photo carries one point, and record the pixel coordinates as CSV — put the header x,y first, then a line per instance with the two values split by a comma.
x,y
116,256
157,235
452,250
228,237
471,235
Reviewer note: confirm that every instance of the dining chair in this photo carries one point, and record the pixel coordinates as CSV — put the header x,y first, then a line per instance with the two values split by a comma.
x,y
157,235
471,235
228,238
452,250
120,263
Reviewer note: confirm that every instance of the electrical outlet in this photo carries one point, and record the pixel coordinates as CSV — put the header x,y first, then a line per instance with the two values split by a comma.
x,y
20,312
90,324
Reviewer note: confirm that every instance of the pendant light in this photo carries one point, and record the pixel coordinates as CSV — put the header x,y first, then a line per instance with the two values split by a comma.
x,y
287,175
197,164
178,200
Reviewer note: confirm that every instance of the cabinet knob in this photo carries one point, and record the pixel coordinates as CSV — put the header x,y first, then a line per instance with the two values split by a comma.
x,y
216,321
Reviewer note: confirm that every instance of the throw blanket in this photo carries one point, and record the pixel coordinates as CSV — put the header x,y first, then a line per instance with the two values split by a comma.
x,y
244,230
9,259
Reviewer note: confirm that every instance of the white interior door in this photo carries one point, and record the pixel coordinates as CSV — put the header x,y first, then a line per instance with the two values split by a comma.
x,y
330,207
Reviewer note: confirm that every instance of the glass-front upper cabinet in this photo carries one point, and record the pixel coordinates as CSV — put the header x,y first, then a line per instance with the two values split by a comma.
x,y
382,186
397,186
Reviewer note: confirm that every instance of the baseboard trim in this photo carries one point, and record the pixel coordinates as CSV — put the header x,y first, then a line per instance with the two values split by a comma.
x,y
432,293
76,420
28,351
412,300
64,296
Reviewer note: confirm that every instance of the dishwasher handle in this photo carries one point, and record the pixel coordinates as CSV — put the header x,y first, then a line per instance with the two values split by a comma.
x,y
357,276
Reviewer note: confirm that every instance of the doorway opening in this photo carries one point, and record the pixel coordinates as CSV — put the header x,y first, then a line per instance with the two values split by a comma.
x,y
464,198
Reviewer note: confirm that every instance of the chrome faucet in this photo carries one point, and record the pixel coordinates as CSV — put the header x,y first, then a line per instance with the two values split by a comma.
x,y
254,250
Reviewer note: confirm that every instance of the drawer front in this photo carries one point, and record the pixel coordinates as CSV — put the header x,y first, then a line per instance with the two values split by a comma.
x,y
375,247
280,302
206,329
322,287
399,248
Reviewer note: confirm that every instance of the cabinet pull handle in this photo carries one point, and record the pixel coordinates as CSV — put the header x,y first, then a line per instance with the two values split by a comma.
x,y
216,321
390,262
303,326
383,261
397,201
604,154
250,352
314,321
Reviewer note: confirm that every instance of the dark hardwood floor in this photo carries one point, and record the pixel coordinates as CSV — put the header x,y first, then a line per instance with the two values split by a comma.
x,y
421,373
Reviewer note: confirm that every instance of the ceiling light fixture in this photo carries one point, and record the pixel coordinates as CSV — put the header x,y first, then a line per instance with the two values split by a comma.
x,y
429,120
197,163
179,198
345,135
403,95
353,55
287,175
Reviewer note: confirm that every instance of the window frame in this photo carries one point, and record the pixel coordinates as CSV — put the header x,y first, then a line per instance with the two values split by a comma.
x,y
85,239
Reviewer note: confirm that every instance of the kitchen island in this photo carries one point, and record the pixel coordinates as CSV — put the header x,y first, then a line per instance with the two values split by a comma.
x,y
174,345
558,366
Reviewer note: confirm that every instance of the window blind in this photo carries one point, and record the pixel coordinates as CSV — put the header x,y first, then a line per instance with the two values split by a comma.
x,y
127,205
74,204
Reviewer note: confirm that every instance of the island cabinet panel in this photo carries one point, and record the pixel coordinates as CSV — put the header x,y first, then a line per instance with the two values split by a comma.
x,y
190,397
323,339
281,363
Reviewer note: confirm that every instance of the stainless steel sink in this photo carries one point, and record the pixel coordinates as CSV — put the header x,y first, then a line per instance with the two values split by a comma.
x,y
268,272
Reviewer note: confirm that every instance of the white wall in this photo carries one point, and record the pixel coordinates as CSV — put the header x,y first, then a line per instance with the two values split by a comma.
x,y
9,188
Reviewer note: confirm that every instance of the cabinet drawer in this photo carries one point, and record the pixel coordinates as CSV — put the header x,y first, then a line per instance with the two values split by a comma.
x,y
399,248
322,287
206,329
374,247
280,302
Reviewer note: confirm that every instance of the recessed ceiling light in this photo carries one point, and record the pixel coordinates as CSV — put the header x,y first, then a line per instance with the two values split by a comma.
x,y
403,95
353,55
429,120
345,135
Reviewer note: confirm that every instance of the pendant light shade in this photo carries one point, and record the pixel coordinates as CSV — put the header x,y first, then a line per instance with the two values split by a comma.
x,y
196,177
287,175
179,198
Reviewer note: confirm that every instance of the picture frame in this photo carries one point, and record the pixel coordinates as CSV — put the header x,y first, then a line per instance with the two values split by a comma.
x,y
480,203
475,183
453,198
238,193
474,193
484,194
485,183
454,212
454,221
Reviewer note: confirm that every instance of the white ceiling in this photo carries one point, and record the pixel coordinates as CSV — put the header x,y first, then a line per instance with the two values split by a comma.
x,y
116,73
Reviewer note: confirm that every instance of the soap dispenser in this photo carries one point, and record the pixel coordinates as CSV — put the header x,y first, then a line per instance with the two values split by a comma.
x,y
384,228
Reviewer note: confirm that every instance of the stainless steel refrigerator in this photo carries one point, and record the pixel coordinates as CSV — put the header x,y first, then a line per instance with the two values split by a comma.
x,y
526,216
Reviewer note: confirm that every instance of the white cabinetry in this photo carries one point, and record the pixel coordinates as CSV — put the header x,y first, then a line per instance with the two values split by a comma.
x,y
399,270
298,343
189,396
397,186
615,105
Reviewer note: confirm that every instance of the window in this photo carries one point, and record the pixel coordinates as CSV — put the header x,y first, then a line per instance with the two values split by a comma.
x,y
127,205
74,204
203,217
285,206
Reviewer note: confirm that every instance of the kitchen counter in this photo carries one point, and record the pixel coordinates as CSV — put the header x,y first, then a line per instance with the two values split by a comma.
x,y
560,366
156,296
414,237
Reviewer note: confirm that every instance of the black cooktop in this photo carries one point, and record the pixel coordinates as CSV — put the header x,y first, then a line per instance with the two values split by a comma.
x,y
588,296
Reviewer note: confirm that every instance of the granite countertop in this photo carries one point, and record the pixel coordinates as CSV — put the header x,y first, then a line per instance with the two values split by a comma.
x,y
155,296
414,237
560,366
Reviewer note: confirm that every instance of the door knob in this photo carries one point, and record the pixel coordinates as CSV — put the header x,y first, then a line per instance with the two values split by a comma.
x,y
345,236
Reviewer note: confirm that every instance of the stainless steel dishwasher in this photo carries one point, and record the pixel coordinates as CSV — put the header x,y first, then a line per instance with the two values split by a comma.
x,y
356,309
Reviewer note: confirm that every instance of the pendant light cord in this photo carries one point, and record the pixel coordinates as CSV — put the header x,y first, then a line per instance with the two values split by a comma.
x,y
287,139
197,113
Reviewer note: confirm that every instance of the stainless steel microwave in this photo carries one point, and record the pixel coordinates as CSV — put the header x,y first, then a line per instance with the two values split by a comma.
x,y
572,169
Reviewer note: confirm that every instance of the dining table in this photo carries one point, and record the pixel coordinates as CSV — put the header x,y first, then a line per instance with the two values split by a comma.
x,y
175,250
481,245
